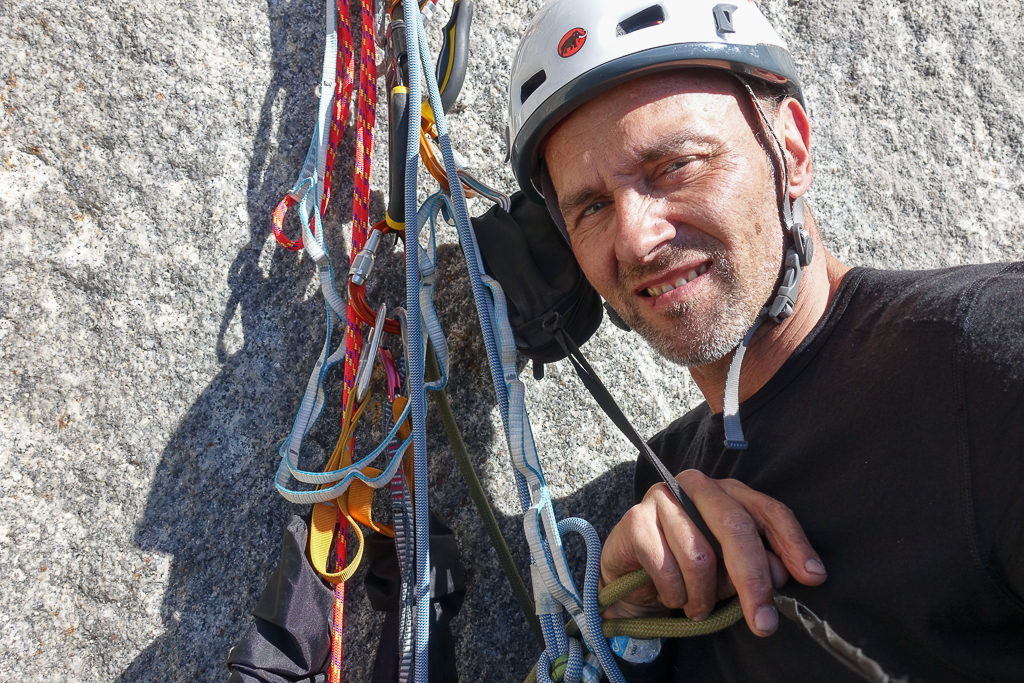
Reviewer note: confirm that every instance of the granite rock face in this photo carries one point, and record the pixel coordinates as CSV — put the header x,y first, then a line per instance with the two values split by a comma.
x,y
154,340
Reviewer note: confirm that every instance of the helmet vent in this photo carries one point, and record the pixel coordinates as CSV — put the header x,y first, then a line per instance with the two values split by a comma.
x,y
531,84
723,18
645,18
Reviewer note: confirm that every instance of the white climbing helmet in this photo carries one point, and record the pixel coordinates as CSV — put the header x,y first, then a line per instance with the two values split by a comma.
x,y
576,49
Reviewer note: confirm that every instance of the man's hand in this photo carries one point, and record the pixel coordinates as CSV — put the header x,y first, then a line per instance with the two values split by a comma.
x,y
657,535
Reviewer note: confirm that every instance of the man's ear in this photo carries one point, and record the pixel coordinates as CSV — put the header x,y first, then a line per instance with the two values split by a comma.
x,y
795,131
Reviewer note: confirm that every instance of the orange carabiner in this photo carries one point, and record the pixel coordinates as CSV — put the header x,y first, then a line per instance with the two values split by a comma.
x,y
361,268
431,155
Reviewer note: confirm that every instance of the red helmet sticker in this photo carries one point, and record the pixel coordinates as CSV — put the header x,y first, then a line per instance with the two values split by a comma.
x,y
571,42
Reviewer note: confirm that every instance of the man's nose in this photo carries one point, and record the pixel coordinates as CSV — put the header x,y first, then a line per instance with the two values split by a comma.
x,y
642,227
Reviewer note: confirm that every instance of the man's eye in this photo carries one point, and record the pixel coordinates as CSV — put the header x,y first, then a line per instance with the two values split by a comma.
x,y
593,208
679,163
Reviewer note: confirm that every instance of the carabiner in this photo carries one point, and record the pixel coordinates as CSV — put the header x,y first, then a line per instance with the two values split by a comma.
x,y
360,270
391,370
362,264
368,356
485,190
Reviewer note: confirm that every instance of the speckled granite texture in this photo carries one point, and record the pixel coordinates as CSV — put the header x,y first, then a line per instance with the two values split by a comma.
x,y
154,341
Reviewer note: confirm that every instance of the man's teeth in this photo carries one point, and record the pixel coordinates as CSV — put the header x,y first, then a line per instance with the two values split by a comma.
x,y
669,286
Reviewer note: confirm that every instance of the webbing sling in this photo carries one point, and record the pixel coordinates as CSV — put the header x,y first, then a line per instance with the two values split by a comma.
x,y
337,70
354,504
483,506
335,481
325,516
401,513
553,585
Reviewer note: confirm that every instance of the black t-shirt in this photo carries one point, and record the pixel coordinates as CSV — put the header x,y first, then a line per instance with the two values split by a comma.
x,y
895,433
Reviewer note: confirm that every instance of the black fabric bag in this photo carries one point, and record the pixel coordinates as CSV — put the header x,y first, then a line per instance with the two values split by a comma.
x,y
447,591
524,251
289,640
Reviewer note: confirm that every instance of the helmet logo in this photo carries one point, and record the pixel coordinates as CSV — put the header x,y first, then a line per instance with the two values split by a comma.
x,y
571,42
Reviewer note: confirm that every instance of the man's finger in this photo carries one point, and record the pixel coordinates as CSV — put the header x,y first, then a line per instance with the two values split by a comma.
x,y
783,532
743,553
636,542
693,555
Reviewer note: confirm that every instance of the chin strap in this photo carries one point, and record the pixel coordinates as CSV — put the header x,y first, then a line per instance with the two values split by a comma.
x,y
798,255
731,405
800,248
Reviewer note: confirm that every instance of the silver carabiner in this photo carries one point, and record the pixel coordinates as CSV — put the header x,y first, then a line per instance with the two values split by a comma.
x,y
362,264
368,356
482,188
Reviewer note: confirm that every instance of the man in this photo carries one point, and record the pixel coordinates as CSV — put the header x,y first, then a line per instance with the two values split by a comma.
x,y
881,410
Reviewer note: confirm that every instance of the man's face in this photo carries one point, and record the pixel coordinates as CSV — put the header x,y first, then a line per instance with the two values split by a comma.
x,y
671,211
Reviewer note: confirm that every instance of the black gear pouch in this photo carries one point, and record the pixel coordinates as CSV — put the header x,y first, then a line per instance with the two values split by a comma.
x,y
545,288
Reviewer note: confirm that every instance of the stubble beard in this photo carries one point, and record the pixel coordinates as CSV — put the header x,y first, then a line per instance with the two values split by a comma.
x,y
705,331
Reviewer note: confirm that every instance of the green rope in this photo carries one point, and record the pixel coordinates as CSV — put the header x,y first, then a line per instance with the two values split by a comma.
x,y
724,616
483,506
558,668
